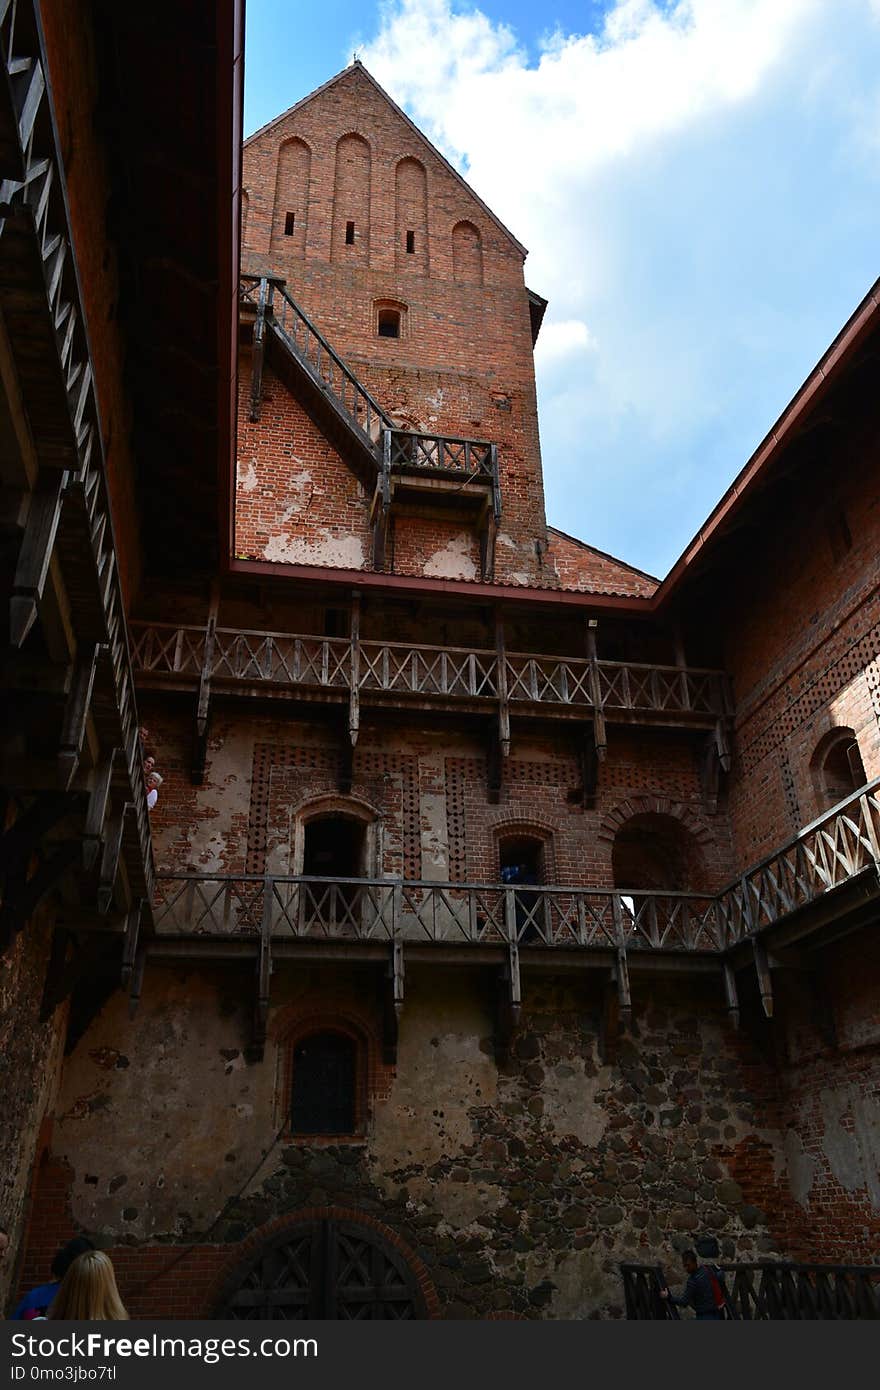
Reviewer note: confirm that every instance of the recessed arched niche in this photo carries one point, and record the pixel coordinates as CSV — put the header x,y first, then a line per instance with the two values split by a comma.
x,y
350,236
467,253
411,216
291,211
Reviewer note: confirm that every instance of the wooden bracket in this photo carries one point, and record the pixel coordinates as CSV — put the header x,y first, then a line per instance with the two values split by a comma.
x,y
264,979
730,993
381,508
488,533
96,813
35,555
345,767
503,702
259,349
354,695
600,736
130,941
76,712
110,858
716,760
203,703
765,983
509,1005
392,1003
621,979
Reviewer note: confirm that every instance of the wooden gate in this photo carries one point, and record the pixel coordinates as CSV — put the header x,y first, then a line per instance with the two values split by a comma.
x,y
325,1270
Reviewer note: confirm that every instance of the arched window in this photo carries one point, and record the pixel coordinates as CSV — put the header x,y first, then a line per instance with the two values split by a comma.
x,y
323,1091
467,254
655,852
388,323
837,768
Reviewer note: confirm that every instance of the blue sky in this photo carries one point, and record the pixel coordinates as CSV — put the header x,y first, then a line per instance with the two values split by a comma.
x,y
697,182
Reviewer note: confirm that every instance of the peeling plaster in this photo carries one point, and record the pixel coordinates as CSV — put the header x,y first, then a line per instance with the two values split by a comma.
x,y
570,1106
336,552
851,1138
454,561
301,492
247,475
800,1166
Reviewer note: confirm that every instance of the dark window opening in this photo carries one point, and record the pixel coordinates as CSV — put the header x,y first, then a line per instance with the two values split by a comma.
x,y
322,1097
410,242
389,323
333,847
349,234
335,622
289,221
653,852
843,771
521,860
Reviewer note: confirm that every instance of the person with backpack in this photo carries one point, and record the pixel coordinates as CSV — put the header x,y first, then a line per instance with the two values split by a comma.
x,y
704,1290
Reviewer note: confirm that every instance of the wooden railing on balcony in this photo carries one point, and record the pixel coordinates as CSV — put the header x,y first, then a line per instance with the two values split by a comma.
x,y
769,1292
431,673
827,854
359,909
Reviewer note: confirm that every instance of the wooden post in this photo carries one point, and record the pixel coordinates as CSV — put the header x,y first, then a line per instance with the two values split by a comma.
x,y
681,663
200,740
393,1003
730,993
503,704
264,973
130,941
76,712
258,350
97,808
765,983
599,735
35,555
354,673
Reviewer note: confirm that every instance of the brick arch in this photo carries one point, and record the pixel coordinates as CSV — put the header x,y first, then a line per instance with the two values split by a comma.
x,y
244,1253
654,806
513,824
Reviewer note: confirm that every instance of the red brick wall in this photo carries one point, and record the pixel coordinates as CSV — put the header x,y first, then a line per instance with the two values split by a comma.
x,y
463,365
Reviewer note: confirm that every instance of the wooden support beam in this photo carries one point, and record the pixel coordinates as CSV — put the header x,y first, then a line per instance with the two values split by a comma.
x,y
621,980
381,510
96,813
130,941
354,695
392,1003
599,734
23,837
730,993
503,701
203,702
509,1005
765,983
264,977
710,776
589,761
110,858
488,532
259,349
35,554
76,712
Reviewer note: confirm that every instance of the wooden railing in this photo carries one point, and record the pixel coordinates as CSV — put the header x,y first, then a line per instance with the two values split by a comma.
x,y
468,458
769,1292
830,853
428,672
359,909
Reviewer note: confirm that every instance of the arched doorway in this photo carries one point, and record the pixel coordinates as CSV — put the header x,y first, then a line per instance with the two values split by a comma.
x,y
336,847
328,1270
522,863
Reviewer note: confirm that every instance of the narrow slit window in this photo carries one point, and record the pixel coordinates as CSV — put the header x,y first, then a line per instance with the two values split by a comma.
x,y
389,323
349,234
410,243
289,223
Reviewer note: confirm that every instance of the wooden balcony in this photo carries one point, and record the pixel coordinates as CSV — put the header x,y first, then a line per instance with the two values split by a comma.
x,y
302,667
768,1292
70,690
827,875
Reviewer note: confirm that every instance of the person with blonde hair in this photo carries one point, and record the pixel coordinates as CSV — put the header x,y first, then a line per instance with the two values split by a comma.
x,y
88,1291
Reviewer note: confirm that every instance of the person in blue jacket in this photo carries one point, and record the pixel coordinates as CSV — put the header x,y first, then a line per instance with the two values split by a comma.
x,y
35,1303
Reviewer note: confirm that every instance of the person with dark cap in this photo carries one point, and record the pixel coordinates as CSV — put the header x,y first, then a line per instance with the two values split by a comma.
x,y
35,1303
704,1290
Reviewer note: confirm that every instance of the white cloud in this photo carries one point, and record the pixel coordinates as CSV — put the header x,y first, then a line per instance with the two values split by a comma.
x,y
660,170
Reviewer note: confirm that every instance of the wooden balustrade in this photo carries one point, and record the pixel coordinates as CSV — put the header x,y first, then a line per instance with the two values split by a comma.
x,y
428,672
768,1292
609,919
